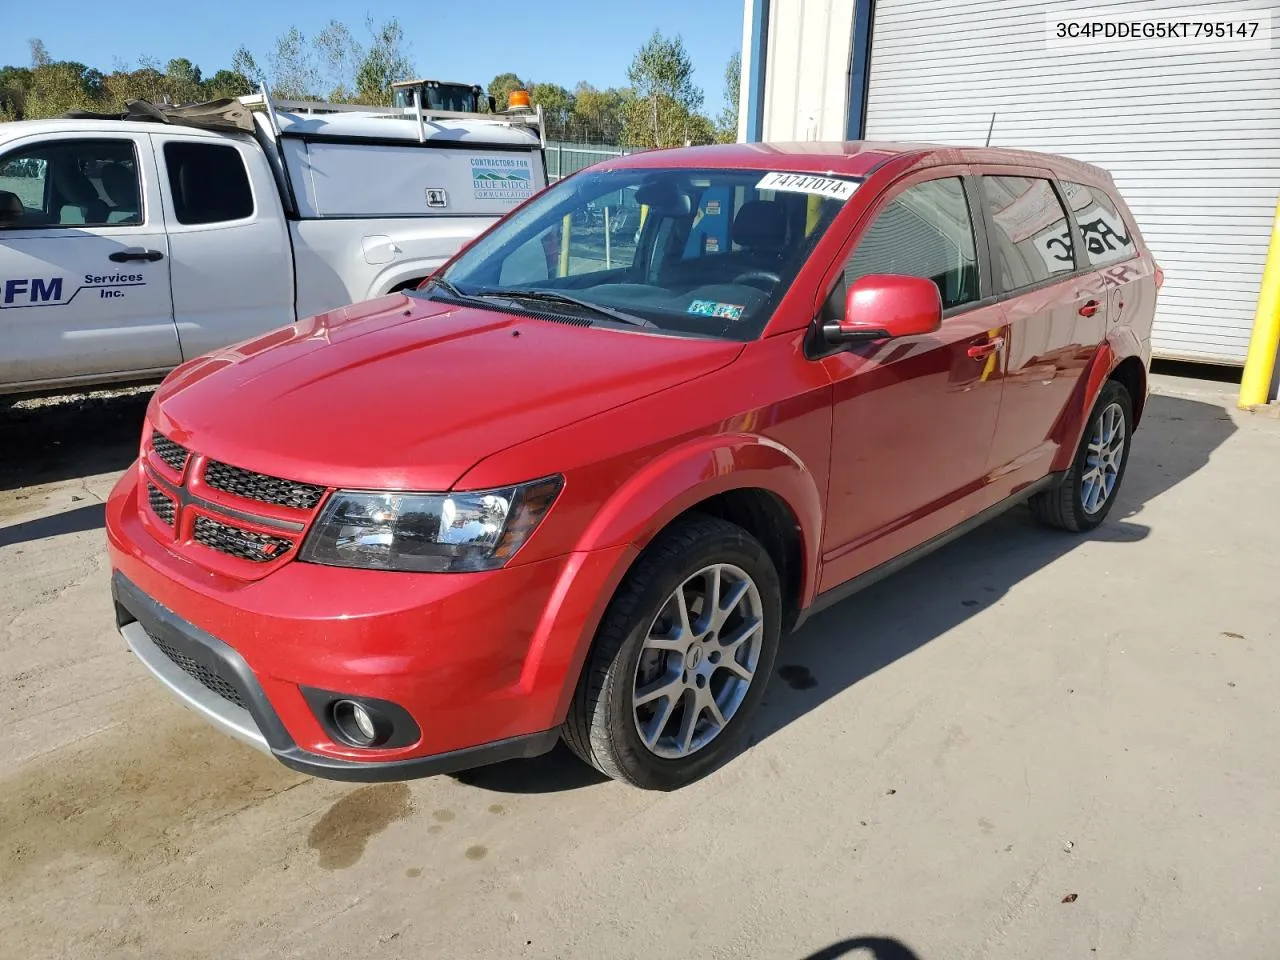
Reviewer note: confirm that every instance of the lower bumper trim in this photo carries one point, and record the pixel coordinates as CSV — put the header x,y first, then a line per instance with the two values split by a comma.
x,y
139,618
513,748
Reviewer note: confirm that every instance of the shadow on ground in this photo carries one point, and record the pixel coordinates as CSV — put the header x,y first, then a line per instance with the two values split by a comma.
x,y
873,948
64,438
855,638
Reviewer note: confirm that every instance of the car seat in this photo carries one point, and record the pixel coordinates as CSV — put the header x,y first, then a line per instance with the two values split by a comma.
x,y
81,203
121,186
760,228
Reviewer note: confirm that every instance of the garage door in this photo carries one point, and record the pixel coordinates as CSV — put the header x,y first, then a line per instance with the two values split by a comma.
x,y
1191,137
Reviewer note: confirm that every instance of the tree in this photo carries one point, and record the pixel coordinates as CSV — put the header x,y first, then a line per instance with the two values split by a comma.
x,y
39,55
500,88
292,67
557,107
243,63
598,115
728,126
662,76
227,83
386,62
183,82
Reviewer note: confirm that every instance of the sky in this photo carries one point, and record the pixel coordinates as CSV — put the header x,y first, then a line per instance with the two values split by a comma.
x,y
557,41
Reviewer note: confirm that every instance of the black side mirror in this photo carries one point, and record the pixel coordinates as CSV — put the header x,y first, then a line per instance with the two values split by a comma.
x,y
11,209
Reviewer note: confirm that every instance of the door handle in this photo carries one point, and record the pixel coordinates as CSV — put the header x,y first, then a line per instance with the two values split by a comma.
x,y
124,256
980,351
1090,308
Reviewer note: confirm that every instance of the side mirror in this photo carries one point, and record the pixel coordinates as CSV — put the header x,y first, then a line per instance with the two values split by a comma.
x,y
11,209
886,306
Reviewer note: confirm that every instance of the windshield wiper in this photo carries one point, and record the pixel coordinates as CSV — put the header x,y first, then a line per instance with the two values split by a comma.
x,y
552,296
448,288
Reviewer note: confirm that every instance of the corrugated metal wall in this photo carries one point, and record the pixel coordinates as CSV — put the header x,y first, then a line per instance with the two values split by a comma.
x,y
1192,138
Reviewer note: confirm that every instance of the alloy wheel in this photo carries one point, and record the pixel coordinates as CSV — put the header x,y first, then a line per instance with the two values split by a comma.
x,y
1103,459
698,660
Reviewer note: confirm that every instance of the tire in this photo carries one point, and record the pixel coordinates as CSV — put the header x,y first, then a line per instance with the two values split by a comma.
x,y
642,629
1073,504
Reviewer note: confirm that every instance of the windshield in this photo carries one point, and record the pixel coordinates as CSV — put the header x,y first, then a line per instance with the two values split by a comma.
x,y
682,251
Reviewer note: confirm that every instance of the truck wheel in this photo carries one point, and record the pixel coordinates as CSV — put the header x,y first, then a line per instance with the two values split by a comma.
x,y
681,657
1089,490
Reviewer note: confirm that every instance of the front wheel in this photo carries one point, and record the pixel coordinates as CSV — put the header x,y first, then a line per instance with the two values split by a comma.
x,y
1089,490
681,657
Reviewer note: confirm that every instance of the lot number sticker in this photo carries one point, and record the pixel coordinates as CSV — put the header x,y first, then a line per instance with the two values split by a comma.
x,y
807,183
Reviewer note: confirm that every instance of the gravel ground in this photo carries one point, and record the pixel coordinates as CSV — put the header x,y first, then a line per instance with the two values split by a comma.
x,y
1027,745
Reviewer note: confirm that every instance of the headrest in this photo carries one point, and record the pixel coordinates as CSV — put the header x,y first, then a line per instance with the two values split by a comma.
x,y
11,207
665,199
760,225
120,183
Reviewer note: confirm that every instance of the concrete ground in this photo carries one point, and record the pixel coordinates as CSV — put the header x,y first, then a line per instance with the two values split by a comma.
x,y
1027,745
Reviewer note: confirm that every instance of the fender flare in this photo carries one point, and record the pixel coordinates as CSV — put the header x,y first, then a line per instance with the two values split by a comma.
x,y
695,471
1075,418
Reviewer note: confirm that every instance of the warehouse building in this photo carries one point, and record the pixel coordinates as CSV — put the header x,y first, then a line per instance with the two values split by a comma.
x,y
1191,134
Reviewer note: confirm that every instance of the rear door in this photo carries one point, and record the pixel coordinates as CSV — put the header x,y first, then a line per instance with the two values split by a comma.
x,y
84,274
1055,306
231,259
913,418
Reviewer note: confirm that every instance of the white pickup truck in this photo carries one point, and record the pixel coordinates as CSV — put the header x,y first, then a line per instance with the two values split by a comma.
x,y
130,245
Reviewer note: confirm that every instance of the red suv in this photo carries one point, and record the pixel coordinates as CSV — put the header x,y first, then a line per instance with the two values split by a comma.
x,y
584,480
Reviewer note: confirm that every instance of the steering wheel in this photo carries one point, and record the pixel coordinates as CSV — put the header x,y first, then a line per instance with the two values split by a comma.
x,y
751,275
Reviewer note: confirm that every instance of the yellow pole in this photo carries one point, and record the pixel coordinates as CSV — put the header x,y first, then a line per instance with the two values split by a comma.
x,y
1265,340
644,213
811,213
564,246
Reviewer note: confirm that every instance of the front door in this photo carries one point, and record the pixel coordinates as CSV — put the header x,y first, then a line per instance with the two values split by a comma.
x,y
913,418
84,270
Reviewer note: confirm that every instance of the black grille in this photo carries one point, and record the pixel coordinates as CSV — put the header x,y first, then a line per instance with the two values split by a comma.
x,y
173,455
161,505
261,487
245,544
209,678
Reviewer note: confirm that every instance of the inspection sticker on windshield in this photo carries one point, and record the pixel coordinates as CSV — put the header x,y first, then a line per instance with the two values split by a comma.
x,y
713,308
806,183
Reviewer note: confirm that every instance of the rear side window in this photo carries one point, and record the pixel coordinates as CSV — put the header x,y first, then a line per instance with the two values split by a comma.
x,y
925,231
1107,239
209,183
1032,239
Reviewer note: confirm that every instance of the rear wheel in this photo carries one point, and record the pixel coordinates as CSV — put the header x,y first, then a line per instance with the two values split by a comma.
x,y
1089,489
681,657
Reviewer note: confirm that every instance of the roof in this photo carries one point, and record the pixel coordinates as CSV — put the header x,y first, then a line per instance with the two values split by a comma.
x,y
852,158
365,126
26,128
336,125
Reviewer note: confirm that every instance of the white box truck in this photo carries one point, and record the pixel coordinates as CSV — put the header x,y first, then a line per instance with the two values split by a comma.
x,y
130,244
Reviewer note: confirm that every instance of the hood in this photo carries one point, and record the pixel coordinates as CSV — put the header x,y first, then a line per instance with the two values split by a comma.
x,y
406,393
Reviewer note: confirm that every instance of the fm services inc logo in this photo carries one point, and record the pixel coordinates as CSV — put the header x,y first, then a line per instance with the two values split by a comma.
x,y
52,291
500,178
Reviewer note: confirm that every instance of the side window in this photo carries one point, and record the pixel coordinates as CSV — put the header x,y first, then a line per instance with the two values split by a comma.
x,y
925,231
208,181
1032,239
1107,239
73,183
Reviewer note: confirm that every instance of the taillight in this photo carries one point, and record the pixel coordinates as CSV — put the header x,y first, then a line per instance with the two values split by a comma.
x,y
1159,277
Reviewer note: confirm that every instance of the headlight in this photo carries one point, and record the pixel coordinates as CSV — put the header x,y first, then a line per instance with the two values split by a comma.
x,y
428,532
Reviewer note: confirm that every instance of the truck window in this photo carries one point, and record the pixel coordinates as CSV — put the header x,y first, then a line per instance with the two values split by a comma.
x,y
208,181
81,183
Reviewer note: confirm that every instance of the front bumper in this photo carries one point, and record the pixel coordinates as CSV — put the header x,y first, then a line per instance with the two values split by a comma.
x,y
484,664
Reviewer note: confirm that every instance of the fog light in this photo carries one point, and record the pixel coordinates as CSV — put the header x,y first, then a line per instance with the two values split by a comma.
x,y
357,723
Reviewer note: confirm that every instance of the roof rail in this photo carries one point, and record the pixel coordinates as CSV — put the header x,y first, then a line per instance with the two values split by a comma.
x,y
271,105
